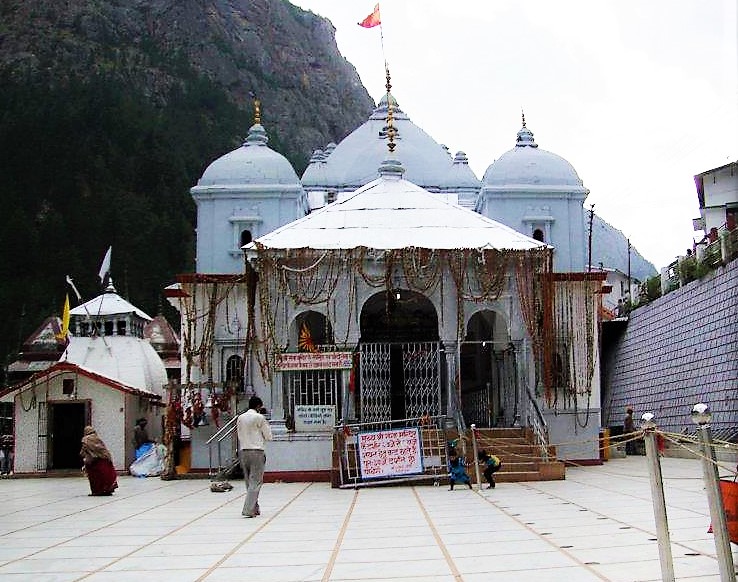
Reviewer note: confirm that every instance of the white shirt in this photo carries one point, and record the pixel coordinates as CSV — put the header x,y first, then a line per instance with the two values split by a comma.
x,y
253,429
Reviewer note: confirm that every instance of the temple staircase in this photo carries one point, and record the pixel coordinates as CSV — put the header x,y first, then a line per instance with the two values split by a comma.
x,y
522,459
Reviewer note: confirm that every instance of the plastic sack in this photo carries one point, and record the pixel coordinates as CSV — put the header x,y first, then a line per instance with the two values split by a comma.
x,y
142,450
150,464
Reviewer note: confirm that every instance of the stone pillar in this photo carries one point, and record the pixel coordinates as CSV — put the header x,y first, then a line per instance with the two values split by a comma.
x,y
450,352
724,246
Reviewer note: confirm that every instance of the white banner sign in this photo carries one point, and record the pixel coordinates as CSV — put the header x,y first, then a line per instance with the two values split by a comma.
x,y
313,417
390,453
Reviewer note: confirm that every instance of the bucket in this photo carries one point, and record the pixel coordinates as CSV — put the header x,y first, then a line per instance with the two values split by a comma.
x,y
729,493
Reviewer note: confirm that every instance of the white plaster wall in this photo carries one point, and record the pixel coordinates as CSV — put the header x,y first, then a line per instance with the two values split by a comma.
x,y
574,442
110,416
299,452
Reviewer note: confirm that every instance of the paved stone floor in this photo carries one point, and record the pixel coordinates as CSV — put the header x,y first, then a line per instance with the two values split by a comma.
x,y
596,525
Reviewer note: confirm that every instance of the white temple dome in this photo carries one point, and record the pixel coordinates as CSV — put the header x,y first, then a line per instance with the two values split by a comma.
x,y
130,360
254,163
354,161
528,165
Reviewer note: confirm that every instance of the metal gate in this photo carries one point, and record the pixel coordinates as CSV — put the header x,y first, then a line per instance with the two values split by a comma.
x,y
491,400
394,372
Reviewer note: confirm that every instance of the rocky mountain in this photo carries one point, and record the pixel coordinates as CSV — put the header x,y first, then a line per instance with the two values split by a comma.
x,y
610,247
111,109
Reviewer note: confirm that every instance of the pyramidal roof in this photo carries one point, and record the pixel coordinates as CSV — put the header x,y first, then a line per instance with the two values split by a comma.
x,y
392,213
109,303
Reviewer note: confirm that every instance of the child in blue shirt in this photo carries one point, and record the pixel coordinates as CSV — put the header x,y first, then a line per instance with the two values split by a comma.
x,y
457,472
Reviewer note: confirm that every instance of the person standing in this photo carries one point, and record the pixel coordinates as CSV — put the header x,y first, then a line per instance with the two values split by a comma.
x,y
98,464
253,431
628,430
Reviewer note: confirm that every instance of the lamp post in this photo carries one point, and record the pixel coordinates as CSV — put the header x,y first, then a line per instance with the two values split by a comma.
x,y
657,494
701,416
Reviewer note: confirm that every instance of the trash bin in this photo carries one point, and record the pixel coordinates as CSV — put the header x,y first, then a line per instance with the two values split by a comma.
x,y
729,491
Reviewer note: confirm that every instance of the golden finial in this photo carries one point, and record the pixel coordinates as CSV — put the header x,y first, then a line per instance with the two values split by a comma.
x,y
390,116
257,108
523,114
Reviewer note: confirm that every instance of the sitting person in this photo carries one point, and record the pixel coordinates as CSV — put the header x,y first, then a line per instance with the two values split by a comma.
x,y
491,464
98,464
141,441
457,472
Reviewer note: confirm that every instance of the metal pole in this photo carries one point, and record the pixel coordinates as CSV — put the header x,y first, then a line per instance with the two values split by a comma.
x,y
657,496
476,455
717,509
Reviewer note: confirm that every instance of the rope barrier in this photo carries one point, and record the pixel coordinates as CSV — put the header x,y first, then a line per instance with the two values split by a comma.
x,y
678,439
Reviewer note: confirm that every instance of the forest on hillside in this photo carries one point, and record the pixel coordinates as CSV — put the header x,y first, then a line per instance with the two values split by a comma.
x,y
90,165
110,110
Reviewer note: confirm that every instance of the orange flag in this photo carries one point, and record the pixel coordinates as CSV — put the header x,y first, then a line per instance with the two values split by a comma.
x,y
372,20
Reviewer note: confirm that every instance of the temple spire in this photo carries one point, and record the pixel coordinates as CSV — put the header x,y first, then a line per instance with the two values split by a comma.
x,y
390,114
257,108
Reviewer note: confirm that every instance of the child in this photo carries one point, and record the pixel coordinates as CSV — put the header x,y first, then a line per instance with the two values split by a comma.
x,y
491,464
458,470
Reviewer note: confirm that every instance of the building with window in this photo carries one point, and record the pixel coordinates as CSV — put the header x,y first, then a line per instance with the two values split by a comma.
x,y
108,375
389,296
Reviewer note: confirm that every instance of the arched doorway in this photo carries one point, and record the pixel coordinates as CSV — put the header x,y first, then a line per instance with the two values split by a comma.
x,y
488,372
400,364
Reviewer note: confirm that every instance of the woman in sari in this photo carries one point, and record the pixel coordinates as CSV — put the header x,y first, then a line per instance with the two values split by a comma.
x,y
98,464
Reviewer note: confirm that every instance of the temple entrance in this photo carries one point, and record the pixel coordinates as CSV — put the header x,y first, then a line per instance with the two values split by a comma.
x,y
66,421
488,372
400,365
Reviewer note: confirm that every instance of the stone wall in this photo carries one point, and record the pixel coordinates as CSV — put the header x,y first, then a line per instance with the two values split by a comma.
x,y
677,351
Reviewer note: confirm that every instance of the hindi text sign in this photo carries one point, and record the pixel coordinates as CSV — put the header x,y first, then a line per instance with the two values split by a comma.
x,y
314,361
390,453
312,417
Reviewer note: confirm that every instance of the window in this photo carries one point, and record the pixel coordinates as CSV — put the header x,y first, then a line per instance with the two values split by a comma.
x,y
538,235
68,386
108,328
121,327
234,373
245,237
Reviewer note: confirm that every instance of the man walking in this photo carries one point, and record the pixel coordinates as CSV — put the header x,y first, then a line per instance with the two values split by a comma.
x,y
253,430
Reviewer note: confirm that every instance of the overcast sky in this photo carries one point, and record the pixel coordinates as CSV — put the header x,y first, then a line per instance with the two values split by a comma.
x,y
639,95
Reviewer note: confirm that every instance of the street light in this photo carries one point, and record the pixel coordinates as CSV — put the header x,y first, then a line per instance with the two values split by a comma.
x,y
701,414
648,425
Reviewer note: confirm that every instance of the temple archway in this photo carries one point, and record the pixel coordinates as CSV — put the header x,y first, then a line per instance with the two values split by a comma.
x,y
488,372
400,364
398,316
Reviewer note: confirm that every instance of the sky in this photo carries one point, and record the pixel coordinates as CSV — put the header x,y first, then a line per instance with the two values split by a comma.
x,y
639,96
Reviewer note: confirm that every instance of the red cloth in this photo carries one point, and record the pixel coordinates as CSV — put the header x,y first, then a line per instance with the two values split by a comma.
x,y
102,476
372,20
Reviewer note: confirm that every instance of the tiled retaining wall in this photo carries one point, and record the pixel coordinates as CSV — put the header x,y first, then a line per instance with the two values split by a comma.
x,y
677,351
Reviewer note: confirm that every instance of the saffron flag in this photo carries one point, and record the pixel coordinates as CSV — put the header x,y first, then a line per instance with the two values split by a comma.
x,y
64,331
105,266
372,20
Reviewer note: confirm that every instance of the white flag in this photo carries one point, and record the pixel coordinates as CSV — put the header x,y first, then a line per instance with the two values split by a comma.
x,y
105,267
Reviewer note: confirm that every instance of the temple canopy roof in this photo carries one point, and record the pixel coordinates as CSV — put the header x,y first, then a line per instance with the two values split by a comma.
x,y
393,213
